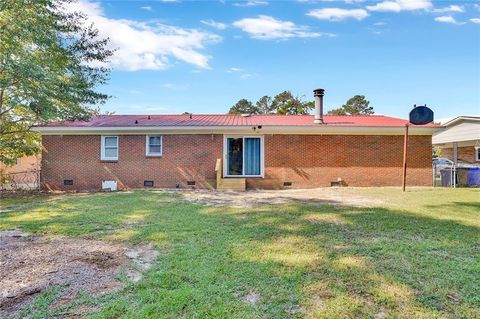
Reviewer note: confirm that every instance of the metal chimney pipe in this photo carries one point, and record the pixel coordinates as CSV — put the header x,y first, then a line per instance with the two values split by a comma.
x,y
318,115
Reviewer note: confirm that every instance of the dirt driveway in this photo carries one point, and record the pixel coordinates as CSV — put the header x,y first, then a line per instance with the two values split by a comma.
x,y
251,198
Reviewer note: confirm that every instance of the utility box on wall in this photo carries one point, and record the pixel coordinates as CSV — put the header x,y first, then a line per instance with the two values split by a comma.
x,y
109,185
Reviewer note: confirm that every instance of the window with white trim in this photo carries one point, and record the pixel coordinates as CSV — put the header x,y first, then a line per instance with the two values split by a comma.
x,y
154,145
109,148
477,153
243,156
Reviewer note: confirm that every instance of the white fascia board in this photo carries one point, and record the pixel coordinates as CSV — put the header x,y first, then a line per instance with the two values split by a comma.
x,y
462,118
306,130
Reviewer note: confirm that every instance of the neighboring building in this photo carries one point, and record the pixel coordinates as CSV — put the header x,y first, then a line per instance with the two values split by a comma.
x,y
267,151
464,132
24,164
24,174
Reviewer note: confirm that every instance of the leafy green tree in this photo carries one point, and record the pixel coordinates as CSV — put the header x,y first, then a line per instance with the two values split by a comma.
x,y
50,65
264,105
243,106
356,105
286,103
282,103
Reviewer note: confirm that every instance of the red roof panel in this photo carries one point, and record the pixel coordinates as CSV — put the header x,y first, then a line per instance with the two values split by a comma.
x,y
232,120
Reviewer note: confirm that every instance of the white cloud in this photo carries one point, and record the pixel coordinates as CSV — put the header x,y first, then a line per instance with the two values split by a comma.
x,y
380,23
337,14
146,8
447,19
250,3
214,24
451,8
142,46
401,5
475,20
243,74
268,28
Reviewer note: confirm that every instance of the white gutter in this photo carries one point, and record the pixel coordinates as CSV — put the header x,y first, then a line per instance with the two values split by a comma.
x,y
306,130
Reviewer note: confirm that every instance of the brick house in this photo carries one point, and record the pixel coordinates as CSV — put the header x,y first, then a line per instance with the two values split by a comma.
x,y
264,151
462,133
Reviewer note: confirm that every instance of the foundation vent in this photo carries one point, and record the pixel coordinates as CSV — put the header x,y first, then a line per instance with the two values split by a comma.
x,y
148,184
68,182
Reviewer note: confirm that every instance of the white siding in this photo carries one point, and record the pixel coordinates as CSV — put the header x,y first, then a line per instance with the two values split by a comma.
x,y
463,131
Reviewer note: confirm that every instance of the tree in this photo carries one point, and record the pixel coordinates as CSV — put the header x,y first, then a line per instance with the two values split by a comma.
x,y
282,103
243,106
354,106
286,103
264,105
50,66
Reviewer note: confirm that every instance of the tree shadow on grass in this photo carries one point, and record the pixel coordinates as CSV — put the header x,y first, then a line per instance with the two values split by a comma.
x,y
370,260
458,205
302,260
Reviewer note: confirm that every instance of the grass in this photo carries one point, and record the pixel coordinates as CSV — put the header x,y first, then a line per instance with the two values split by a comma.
x,y
416,256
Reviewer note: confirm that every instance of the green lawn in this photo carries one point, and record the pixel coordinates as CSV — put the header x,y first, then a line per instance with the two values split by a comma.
x,y
417,256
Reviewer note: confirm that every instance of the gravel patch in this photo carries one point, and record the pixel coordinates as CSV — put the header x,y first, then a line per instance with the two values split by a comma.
x,y
320,196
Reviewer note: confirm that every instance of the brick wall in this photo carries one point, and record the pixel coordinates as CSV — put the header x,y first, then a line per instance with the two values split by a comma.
x,y
305,160
185,158
315,161
465,154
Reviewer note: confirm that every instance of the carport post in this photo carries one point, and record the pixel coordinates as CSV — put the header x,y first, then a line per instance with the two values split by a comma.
x,y
405,150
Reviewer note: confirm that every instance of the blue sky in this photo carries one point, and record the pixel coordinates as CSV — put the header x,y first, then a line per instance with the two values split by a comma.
x,y
203,56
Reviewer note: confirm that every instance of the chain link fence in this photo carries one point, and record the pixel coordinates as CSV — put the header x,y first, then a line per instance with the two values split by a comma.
x,y
450,175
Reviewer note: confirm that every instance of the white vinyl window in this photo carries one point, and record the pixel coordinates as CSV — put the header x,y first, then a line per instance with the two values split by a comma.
x,y
109,148
477,153
154,145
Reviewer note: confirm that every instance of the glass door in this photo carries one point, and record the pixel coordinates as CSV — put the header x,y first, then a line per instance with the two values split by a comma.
x,y
252,156
235,156
243,156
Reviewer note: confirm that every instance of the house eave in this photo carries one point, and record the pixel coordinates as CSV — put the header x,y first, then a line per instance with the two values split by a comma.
x,y
288,130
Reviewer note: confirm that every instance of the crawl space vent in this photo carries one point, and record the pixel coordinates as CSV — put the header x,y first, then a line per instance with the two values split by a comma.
x,y
148,183
286,184
68,182
191,183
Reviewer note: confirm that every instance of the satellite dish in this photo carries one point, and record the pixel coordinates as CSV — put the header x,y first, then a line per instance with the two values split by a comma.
x,y
421,115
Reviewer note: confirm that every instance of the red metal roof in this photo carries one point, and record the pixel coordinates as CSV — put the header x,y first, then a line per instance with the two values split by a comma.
x,y
232,120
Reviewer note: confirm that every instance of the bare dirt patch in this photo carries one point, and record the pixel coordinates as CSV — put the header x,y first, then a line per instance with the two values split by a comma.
x,y
321,196
30,264
252,298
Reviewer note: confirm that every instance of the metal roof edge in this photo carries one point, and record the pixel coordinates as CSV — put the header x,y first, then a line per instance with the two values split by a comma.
x,y
321,129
